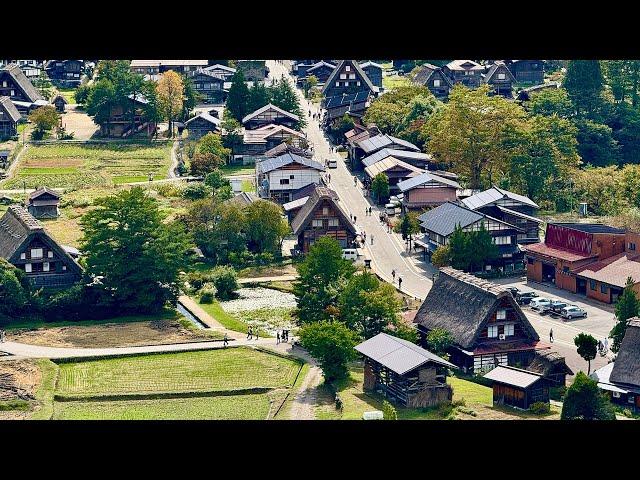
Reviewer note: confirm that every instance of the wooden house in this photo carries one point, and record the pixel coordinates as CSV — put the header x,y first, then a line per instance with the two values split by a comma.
x,y
395,169
153,68
256,142
298,200
488,327
202,124
368,145
323,216
32,69
121,123
427,190
466,72
374,73
551,366
621,378
347,78
279,178
210,86
500,80
223,71
15,85
568,247
253,70
59,102
44,203
417,159
270,115
518,388
405,373
26,244
65,72
321,70
355,135
9,118
527,71
510,207
434,78
440,223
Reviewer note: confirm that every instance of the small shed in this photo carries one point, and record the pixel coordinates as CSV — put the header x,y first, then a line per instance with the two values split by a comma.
x,y
552,366
518,388
59,102
4,158
44,203
405,372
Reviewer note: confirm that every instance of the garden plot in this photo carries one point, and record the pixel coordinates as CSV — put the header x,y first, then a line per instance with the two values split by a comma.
x,y
267,309
91,165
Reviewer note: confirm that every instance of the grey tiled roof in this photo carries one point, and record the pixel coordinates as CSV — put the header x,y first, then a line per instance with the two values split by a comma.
x,y
491,195
444,219
398,355
373,144
270,106
269,164
424,178
7,105
205,116
394,152
513,376
23,82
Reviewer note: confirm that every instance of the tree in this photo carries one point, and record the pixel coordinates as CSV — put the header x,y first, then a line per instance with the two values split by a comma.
x,y
408,226
439,340
205,163
585,401
15,291
215,180
284,96
471,131
342,125
258,97
600,188
170,91
136,255
368,306
212,143
584,84
238,96
321,276
623,77
82,94
551,101
441,257
481,248
587,347
231,128
44,118
265,227
309,84
332,344
100,101
596,144
459,249
627,306
380,187
389,411
225,280
624,122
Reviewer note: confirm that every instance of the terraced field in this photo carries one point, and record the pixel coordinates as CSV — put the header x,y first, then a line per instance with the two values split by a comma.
x,y
91,165
206,371
236,407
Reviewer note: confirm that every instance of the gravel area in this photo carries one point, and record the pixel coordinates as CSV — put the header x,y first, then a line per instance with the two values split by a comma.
x,y
258,298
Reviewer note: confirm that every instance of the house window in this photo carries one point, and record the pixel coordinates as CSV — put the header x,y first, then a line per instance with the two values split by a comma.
x,y
501,314
36,253
45,267
502,240
347,68
616,394
325,211
436,82
630,399
337,84
603,288
343,76
501,76
352,76
13,92
508,330
23,256
358,83
592,284
4,83
632,246
291,177
492,331
316,223
284,181
333,222
27,267
64,268
50,254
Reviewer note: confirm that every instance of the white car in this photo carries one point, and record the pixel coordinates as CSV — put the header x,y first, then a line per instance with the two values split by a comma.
x,y
573,311
540,303
350,254
332,163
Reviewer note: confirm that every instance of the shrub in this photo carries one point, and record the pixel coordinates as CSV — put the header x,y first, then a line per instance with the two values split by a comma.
x,y
207,293
225,280
168,190
264,258
196,280
389,411
540,408
195,191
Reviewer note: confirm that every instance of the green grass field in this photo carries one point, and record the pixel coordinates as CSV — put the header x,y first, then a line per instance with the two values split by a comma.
x,y
213,370
237,324
91,165
238,169
395,81
236,407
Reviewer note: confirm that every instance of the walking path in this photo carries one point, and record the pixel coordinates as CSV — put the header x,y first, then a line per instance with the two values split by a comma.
x,y
281,278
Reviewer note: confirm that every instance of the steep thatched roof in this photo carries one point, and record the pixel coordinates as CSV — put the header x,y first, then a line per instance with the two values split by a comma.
x,y
626,368
461,303
304,216
549,363
28,90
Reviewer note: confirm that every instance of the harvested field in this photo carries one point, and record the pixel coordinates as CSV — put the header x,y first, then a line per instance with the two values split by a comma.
x,y
18,382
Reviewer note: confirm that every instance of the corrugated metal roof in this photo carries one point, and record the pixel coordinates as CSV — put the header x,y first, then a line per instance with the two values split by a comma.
x,y
205,116
270,164
494,194
424,178
270,106
401,154
389,163
519,214
444,219
513,376
613,270
397,354
373,144
294,204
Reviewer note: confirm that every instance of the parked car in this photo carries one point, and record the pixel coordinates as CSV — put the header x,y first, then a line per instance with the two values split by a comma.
x,y
392,209
524,298
514,291
350,254
332,163
540,303
573,311
557,306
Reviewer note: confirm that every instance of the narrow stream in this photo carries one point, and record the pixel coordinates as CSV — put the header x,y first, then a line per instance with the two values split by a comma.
x,y
186,314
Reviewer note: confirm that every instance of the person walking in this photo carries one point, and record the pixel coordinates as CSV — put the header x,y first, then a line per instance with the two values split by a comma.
x,y
551,335
249,334
354,219
393,275
399,283
355,181
225,341
372,239
277,338
257,334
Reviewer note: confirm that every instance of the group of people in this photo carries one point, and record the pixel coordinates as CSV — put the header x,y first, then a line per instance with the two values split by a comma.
x,y
284,337
393,274
251,334
368,211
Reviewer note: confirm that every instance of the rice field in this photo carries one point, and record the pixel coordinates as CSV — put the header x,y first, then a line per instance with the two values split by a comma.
x,y
91,165
205,371
236,407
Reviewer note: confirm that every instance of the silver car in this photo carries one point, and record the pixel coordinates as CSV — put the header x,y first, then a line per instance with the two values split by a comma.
x,y
573,311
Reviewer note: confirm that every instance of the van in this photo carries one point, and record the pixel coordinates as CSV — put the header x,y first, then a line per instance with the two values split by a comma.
x,y
350,254
390,208
332,163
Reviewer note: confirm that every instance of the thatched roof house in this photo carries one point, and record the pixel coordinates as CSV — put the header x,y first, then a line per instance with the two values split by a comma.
x,y
487,325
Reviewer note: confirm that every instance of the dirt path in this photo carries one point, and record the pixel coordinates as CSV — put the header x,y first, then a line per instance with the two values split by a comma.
x,y
304,402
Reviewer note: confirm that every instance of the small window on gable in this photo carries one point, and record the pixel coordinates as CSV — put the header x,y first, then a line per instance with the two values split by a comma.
x,y
501,76
347,68
501,314
50,254
436,82
27,267
337,84
508,330
325,211
23,256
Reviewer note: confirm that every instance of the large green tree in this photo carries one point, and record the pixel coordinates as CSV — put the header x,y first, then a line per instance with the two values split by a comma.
x,y
284,96
409,226
321,277
627,306
238,96
266,227
585,401
131,250
380,187
587,347
331,343
15,291
584,84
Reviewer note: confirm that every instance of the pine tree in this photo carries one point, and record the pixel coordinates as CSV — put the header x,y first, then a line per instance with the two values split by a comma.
x,y
584,84
238,97
284,96
627,307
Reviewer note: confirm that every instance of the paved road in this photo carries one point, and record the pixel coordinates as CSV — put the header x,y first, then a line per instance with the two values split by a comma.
x,y
388,251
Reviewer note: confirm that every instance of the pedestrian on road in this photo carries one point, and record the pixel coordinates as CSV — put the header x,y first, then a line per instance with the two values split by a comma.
x,y
606,343
355,181
225,340
329,178
366,211
249,334
393,274
370,210
399,283
372,239
551,335
277,338
354,219
257,334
